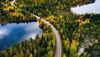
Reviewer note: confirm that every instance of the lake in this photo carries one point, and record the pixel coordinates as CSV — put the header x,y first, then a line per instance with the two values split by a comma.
x,y
12,33
87,8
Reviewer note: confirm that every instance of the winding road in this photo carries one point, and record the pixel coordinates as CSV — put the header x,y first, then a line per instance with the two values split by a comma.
x,y
58,39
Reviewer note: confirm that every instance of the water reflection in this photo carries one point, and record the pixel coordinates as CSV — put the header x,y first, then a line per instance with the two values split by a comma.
x,y
14,33
88,8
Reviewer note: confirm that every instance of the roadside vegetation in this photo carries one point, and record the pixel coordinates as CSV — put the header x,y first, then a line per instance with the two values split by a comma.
x,y
74,29
77,32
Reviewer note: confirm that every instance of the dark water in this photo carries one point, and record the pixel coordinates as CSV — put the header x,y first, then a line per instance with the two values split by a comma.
x,y
87,8
15,33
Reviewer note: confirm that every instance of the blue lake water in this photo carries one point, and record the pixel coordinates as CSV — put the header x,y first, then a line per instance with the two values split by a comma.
x,y
15,33
87,8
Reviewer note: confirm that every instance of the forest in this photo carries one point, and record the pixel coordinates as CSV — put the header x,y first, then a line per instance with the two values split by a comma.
x,y
76,31
10,14
45,8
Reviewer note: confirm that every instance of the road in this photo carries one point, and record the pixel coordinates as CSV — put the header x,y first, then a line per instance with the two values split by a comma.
x,y
58,39
58,50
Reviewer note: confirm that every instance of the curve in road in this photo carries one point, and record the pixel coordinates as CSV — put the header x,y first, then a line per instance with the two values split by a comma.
x,y
59,49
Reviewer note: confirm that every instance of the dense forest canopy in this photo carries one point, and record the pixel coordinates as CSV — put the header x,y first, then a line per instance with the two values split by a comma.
x,y
8,13
76,31
48,7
